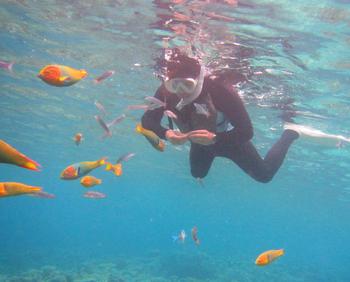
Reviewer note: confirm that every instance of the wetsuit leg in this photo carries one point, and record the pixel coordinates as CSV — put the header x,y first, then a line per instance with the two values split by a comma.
x,y
247,157
201,158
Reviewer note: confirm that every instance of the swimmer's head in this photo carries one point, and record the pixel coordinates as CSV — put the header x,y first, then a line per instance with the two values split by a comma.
x,y
179,65
184,77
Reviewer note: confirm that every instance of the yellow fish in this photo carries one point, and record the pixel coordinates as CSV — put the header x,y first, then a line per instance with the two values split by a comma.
x,y
58,75
77,170
89,181
269,256
153,138
15,189
10,155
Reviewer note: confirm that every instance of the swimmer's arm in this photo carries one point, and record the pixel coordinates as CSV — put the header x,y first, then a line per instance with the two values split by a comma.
x,y
151,119
232,106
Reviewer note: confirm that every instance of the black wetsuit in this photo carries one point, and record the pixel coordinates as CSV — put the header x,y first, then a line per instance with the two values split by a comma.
x,y
234,144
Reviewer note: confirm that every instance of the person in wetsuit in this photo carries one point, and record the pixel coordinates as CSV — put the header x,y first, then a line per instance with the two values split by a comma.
x,y
212,116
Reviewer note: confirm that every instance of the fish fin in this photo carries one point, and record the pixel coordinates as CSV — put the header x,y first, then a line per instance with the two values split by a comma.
x,y
65,78
77,172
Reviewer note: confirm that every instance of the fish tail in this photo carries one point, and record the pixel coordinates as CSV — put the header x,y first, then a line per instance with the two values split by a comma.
x,y
175,238
10,66
32,165
102,161
84,73
108,166
280,252
99,181
139,128
34,189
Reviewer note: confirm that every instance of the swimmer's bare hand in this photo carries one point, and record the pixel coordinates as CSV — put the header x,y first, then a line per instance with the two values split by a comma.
x,y
176,137
202,136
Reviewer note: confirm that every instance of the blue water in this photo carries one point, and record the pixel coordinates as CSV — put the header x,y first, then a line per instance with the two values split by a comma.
x,y
293,58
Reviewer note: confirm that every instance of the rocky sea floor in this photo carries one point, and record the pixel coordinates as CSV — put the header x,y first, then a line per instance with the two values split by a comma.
x,y
161,268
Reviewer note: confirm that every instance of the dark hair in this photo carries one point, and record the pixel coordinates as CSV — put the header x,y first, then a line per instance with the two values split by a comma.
x,y
179,65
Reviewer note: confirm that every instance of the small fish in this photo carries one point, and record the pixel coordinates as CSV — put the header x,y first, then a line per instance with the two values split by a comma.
x,y
15,189
138,107
6,65
100,107
58,75
78,138
116,120
90,181
104,76
101,122
43,194
77,170
116,168
94,195
170,114
180,237
125,157
194,233
10,155
154,103
155,141
269,256
201,109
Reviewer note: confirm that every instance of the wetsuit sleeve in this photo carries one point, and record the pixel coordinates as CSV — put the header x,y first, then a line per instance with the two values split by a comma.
x,y
151,119
231,105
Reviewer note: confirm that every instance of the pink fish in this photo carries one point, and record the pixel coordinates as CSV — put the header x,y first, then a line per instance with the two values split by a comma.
x,y
104,76
154,103
42,194
6,65
137,107
125,157
94,195
170,114
116,121
101,122
100,107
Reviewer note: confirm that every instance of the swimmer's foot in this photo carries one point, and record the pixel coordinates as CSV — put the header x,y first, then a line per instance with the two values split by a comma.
x,y
316,135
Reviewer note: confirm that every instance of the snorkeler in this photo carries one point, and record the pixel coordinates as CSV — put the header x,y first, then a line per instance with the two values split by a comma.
x,y
213,118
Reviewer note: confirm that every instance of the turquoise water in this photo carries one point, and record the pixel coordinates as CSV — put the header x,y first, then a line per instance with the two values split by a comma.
x,y
294,63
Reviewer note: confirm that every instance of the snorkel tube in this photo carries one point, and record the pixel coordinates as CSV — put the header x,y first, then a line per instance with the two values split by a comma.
x,y
193,96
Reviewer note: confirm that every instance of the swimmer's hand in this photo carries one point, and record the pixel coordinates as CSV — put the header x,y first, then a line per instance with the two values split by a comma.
x,y
176,137
202,136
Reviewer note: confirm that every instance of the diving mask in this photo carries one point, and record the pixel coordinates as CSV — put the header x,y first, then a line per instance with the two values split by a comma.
x,y
181,85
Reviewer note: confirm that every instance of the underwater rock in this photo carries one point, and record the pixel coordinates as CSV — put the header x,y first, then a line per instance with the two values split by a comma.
x,y
114,278
185,266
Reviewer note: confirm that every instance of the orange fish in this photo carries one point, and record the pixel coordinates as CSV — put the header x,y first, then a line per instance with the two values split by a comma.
x,y
117,168
78,138
15,189
269,256
10,155
90,181
58,75
194,233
